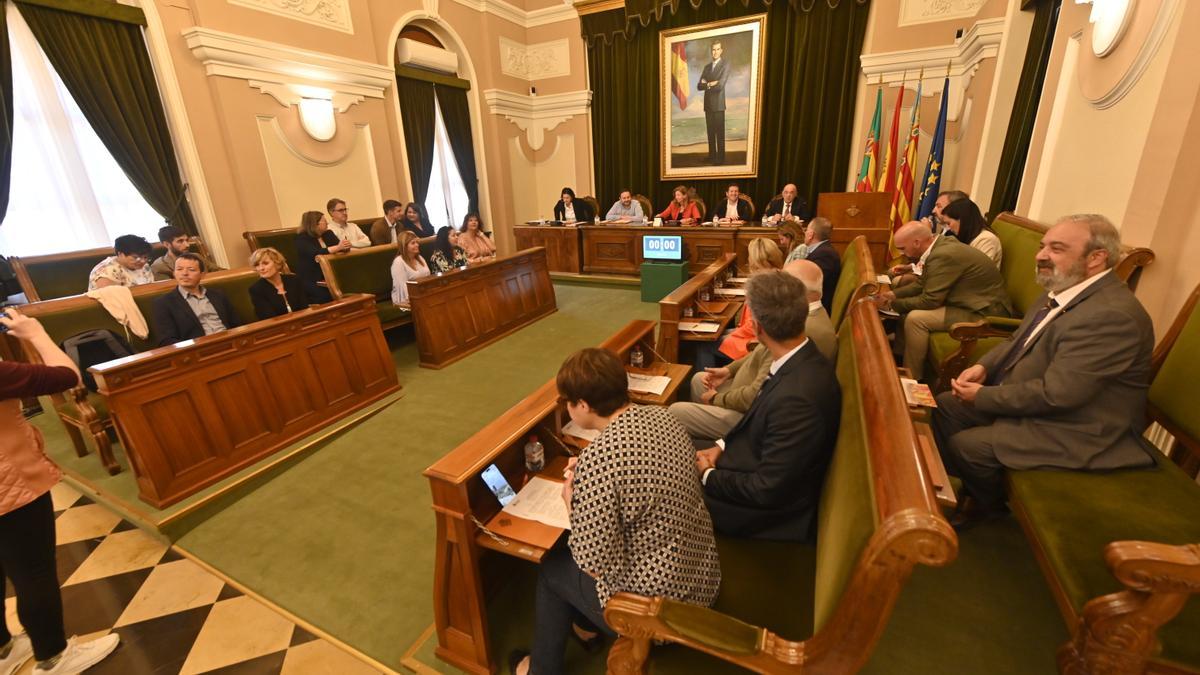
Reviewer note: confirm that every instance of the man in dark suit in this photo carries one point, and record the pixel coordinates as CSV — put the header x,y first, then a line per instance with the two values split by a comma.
x,y
1068,389
764,480
734,209
821,252
789,205
712,83
191,310
387,229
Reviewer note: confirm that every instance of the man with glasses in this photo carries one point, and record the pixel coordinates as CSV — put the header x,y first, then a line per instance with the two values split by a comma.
x,y
129,267
340,226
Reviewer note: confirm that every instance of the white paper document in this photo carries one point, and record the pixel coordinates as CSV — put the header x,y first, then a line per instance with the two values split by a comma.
x,y
699,326
883,279
731,291
572,429
541,500
648,384
739,280
889,313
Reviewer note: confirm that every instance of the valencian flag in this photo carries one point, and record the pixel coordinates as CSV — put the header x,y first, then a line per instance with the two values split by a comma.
x,y
679,73
932,185
867,176
889,159
902,197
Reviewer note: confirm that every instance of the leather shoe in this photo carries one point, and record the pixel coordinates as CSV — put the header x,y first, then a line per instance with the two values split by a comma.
x,y
590,645
515,657
970,514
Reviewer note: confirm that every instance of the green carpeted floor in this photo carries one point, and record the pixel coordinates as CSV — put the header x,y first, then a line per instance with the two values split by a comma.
x,y
344,539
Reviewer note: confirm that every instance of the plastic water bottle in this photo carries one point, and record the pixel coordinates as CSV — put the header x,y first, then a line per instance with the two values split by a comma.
x,y
636,358
705,294
596,220
688,312
535,455
764,220
657,221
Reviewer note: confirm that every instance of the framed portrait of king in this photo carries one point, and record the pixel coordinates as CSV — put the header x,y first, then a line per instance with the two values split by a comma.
x,y
710,98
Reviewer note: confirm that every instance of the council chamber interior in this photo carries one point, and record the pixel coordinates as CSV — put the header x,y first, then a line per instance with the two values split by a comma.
x,y
323,265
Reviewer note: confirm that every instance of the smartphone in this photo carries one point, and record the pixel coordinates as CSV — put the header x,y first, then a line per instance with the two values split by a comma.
x,y
498,485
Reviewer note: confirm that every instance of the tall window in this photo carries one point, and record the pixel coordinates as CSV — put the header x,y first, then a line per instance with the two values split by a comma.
x,y
447,201
67,191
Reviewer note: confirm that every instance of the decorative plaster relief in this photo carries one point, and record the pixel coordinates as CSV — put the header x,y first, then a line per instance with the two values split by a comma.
x,y
530,19
537,61
535,115
914,12
334,14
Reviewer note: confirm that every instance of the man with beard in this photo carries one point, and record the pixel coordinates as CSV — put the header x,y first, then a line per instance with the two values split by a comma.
x,y
1068,390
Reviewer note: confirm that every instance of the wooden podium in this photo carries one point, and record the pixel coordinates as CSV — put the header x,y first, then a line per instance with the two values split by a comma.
x,y
859,213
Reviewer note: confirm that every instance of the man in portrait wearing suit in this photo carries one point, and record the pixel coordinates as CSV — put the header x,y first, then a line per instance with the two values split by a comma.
x,y
821,252
1068,389
789,205
712,83
764,480
191,310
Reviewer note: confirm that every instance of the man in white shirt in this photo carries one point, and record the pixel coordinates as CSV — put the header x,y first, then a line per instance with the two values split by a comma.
x,y
340,225
626,210
734,210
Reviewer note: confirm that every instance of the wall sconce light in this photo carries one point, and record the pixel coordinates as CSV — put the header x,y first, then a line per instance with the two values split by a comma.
x,y
316,117
1109,19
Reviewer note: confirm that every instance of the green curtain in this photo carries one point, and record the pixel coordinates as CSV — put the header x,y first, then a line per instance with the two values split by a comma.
x,y
810,76
6,112
457,118
105,65
417,119
1024,111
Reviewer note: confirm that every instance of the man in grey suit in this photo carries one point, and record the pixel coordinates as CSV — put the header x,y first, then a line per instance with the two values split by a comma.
x,y
712,83
1068,390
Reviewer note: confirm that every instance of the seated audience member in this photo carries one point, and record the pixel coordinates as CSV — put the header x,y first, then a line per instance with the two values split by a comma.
x,y
935,220
474,240
682,208
177,242
416,221
447,254
407,266
733,209
387,229
789,205
1068,389
764,480
341,227
314,239
791,241
127,267
819,327
626,209
277,291
956,283
763,256
638,522
820,250
572,210
192,311
963,218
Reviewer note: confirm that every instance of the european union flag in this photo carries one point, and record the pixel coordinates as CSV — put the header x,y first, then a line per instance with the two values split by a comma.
x,y
932,185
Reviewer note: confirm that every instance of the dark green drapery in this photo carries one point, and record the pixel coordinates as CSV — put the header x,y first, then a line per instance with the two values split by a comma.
x,y
417,119
809,86
1025,106
457,118
6,112
105,65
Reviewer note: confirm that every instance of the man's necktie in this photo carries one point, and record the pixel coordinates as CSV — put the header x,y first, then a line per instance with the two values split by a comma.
x,y
787,210
1018,344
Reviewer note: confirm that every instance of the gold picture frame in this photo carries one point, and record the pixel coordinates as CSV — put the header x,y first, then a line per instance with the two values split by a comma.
x,y
710,98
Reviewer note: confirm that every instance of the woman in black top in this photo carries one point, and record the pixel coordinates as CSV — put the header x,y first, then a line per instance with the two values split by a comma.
x,y
416,221
314,239
569,209
447,254
278,291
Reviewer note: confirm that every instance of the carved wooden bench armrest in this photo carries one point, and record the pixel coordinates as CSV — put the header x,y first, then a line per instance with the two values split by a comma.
x,y
1117,632
968,334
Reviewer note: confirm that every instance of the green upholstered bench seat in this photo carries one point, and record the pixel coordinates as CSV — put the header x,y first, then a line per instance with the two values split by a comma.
x,y
1073,515
366,270
392,315
941,346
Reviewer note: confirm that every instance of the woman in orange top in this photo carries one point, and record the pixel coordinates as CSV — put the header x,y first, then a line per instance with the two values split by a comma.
x,y
764,255
682,208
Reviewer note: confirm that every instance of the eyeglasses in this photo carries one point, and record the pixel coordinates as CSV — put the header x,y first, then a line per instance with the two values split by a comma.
x,y
341,210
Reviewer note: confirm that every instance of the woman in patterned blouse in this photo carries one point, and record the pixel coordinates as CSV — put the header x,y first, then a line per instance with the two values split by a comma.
x,y
447,254
638,519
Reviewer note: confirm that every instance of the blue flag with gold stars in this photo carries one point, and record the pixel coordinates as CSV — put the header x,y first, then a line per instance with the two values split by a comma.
x,y
932,185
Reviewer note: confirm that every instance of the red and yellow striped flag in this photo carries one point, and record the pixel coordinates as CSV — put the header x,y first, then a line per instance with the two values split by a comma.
x,y
902,197
679,73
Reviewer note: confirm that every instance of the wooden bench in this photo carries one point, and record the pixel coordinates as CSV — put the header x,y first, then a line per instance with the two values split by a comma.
x,y
855,282
366,270
59,275
793,608
282,240
951,352
1121,549
85,413
672,308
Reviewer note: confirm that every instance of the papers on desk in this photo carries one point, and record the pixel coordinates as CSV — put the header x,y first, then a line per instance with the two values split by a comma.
x,y
699,326
648,384
739,280
731,291
883,279
572,429
541,500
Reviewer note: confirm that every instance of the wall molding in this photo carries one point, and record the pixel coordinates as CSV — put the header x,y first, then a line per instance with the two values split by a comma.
x,y
1145,55
525,19
538,61
535,115
333,14
982,41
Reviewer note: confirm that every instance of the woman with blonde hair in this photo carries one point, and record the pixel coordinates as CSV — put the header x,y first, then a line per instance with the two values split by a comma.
x,y
277,291
313,238
791,241
682,208
764,256
407,266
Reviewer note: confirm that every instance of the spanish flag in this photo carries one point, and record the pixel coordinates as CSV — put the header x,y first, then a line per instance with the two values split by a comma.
x,y
902,197
679,73
888,174
867,174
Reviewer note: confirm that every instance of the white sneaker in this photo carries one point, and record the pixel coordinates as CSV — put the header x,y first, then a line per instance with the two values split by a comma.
x,y
22,651
77,657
